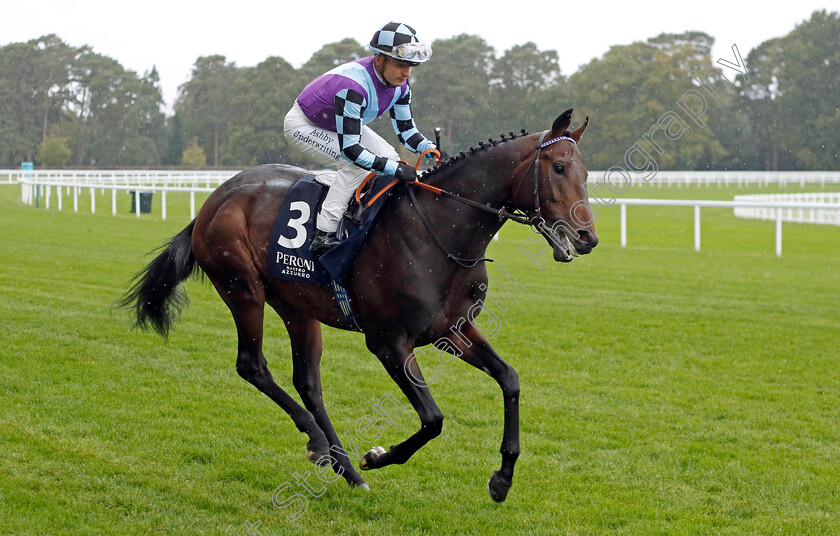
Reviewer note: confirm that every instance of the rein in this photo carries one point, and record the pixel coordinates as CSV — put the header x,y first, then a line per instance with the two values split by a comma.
x,y
501,213
463,263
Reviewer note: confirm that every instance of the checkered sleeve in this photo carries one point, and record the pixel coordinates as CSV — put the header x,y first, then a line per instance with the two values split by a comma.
x,y
349,107
403,122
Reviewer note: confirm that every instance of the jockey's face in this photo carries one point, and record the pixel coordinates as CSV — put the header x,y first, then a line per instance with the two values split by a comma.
x,y
394,72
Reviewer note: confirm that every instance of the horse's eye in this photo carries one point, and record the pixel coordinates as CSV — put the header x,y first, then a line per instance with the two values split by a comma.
x,y
559,168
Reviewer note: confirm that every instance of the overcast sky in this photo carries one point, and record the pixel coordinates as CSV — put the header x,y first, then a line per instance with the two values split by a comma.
x,y
172,34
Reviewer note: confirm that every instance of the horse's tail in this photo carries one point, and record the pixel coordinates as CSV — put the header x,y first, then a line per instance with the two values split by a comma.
x,y
156,294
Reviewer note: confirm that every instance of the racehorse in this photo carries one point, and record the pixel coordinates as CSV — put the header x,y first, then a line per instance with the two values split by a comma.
x,y
418,272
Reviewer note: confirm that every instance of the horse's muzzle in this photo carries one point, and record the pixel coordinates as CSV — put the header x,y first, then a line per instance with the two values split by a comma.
x,y
584,242
567,242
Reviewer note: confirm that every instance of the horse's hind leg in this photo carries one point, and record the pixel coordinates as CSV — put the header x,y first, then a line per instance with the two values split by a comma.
x,y
245,297
305,337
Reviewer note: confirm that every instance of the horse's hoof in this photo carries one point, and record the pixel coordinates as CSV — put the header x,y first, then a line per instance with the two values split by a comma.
x,y
369,460
498,486
360,485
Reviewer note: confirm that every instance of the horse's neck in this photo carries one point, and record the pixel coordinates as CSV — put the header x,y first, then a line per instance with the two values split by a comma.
x,y
485,176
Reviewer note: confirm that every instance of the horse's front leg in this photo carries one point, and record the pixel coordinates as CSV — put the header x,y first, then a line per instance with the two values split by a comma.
x,y
399,362
481,355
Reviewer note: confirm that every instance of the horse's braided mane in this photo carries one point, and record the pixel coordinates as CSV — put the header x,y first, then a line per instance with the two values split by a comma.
x,y
472,150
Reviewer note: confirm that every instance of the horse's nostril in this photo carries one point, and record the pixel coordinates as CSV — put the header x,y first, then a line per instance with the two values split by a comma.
x,y
585,237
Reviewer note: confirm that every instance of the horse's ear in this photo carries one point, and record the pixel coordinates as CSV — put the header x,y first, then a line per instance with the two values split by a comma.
x,y
576,135
561,124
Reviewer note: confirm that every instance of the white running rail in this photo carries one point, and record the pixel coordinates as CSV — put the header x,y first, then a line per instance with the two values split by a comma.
x,y
609,181
613,183
37,187
137,177
36,193
776,206
799,214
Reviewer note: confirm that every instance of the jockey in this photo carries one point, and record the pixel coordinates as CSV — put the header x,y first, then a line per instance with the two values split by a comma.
x,y
328,121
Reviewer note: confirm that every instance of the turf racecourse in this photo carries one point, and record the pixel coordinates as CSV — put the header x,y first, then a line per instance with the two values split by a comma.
x,y
664,391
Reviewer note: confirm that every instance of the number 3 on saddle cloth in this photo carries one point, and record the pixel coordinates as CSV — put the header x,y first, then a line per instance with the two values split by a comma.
x,y
294,228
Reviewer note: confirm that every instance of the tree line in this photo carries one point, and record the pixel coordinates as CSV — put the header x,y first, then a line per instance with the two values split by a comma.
x,y
63,106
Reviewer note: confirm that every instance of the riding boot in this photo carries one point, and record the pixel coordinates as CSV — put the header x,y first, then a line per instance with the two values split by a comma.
x,y
322,242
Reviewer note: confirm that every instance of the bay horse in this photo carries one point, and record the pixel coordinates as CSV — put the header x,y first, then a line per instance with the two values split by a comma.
x,y
418,272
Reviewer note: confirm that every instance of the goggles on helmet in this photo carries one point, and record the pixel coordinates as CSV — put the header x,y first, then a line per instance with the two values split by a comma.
x,y
416,52
413,52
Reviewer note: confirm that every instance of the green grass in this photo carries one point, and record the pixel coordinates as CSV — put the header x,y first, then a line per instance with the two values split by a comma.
x,y
664,391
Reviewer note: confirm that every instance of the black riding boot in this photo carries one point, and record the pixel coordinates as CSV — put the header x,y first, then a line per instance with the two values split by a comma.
x,y
323,242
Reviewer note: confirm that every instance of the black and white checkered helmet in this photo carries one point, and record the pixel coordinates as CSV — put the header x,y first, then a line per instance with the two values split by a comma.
x,y
400,41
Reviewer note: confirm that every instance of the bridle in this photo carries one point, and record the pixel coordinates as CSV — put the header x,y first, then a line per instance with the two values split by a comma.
x,y
537,219
502,213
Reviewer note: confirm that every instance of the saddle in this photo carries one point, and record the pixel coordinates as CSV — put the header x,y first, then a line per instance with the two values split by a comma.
x,y
294,228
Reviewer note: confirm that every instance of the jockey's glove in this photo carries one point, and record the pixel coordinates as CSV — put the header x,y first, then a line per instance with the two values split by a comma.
x,y
406,173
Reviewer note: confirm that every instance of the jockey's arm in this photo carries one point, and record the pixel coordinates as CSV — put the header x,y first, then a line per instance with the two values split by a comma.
x,y
349,105
407,132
